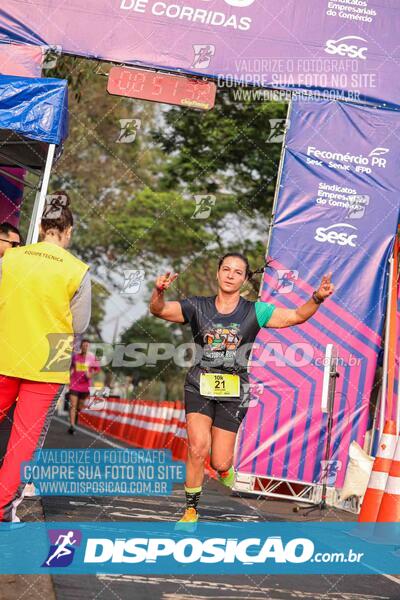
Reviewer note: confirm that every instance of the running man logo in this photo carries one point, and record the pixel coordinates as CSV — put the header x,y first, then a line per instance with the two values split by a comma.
x,y
98,398
203,54
60,352
52,54
132,281
277,129
330,470
358,207
252,393
286,281
62,547
203,206
128,130
54,205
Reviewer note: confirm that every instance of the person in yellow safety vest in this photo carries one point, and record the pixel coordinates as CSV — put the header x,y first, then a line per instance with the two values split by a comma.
x,y
45,298
10,237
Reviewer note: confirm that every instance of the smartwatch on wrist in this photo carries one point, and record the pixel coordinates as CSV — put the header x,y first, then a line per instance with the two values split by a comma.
x,y
316,298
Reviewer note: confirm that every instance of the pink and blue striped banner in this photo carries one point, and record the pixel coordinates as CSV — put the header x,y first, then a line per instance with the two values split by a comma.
x,y
396,399
11,195
337,210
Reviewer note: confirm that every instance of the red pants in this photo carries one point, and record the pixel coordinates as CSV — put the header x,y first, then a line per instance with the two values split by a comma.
x,y
35,401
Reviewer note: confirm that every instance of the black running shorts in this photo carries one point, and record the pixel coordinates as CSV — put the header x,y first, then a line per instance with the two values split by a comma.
x,y
225,414
81,395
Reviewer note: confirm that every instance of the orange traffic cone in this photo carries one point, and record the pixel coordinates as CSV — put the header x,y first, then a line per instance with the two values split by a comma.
x,y
389,511
379,475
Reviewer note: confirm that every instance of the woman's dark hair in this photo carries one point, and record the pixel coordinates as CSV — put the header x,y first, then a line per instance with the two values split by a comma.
x,y
57,214
6,228
249,273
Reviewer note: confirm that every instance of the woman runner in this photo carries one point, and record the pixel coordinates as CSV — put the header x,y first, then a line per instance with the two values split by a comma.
x,y
216,388
83,366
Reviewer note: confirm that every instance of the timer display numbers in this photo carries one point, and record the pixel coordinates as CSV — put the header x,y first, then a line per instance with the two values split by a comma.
x,y
161,87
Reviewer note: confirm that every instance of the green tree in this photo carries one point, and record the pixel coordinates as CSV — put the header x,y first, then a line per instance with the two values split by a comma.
x,y
157,344
99,297
135,202
108,156
226,151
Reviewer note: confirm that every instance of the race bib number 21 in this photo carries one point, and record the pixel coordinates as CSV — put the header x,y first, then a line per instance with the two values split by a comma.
x,y
220,385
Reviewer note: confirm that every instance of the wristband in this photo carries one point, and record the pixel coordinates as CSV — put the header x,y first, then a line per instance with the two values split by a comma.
x,y
316,299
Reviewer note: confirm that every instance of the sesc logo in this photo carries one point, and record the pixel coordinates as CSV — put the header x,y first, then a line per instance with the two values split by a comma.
x,y
331,236
343,47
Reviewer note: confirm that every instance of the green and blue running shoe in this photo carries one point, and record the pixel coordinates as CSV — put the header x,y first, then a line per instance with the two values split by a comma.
x,y
227,478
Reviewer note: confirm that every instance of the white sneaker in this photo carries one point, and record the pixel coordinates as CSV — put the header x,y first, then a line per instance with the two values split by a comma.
x,y
30,491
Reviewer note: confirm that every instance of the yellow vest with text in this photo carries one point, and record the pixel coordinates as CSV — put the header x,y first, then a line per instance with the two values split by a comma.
x,y
36,335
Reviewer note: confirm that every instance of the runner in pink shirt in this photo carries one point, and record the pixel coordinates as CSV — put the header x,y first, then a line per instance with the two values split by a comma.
x,y
84,365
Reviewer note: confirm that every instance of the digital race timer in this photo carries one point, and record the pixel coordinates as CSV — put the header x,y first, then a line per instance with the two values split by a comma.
x,y
161,87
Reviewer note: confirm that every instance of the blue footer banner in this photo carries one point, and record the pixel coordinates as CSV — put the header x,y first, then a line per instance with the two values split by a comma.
x,y
213,548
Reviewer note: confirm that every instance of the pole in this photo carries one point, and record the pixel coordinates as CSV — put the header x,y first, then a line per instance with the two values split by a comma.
x,y
277,187
393,333
116,330
383,413
398,401
278,182
40,200
331,352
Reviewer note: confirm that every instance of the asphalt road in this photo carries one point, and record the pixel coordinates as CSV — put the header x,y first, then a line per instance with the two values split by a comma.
x,y
217,504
